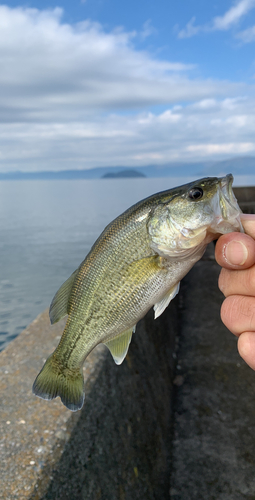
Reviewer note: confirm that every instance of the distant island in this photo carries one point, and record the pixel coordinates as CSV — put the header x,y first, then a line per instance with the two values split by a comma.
x,y
123,173
237,166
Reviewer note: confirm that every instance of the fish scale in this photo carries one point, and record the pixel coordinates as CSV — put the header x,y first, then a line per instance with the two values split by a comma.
x,y
136,263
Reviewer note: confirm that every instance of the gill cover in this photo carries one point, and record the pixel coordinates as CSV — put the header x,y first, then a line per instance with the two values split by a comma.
x,y
189,220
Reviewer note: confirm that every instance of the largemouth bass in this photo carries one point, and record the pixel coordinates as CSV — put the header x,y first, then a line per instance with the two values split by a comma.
x,y
136,263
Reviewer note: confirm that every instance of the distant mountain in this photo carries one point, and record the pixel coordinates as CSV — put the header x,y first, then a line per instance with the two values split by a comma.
x,y
236,166
130,173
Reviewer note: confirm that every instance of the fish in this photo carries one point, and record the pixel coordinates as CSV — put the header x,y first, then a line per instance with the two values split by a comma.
x,y
136,263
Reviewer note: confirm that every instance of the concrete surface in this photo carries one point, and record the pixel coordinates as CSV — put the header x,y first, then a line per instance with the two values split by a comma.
x,y
32,432
246,198
117,447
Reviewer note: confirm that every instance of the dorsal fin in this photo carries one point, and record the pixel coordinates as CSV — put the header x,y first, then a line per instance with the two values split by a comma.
x,y
161,306
118,346
58,307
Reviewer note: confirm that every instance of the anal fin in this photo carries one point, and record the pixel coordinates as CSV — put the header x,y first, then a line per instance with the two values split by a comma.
x,y
118,346
161,306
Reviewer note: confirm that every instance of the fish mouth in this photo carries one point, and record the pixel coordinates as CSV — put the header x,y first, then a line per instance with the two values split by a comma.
x,y
227,210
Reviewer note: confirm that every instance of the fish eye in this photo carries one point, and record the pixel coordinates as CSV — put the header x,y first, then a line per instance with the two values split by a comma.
x,y
196,193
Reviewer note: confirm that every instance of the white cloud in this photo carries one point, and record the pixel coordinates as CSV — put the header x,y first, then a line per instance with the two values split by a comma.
x,y
188,134
225,148
233,15
219,23
247,35
190,29
148,30
74,96
51,70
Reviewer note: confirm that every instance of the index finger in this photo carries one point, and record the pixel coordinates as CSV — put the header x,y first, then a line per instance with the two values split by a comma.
x,y
248,222
240,242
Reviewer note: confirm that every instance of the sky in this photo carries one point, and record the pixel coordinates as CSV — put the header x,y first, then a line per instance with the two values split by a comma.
x,y
89,83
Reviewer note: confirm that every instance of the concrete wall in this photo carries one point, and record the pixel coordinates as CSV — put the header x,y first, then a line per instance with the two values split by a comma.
x,y
117,447
246,198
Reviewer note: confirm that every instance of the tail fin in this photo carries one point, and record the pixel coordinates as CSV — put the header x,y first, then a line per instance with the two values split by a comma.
x,y
54,380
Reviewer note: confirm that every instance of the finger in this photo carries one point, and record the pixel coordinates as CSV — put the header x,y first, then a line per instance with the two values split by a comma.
x,y
248,222
238,314
236,283
235,251
246,348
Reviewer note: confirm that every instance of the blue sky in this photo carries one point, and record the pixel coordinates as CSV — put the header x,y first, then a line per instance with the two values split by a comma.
x,y
102,82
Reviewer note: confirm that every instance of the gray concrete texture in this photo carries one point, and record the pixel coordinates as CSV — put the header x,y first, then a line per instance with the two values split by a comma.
x,y
246,197
117,447
175,421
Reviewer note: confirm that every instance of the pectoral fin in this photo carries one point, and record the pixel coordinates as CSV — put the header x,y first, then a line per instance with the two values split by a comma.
x,y
59,304
161,306
118,346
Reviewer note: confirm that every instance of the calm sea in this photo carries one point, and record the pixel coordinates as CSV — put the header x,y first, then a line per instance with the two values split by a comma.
x,y
47,228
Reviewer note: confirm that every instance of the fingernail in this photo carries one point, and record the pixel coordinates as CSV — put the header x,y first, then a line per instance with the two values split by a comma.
x,y
235,253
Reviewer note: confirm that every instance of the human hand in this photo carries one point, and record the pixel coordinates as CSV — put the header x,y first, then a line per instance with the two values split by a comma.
x,y
235,252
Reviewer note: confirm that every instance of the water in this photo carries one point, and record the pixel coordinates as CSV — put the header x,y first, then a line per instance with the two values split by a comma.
x,y
47,228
